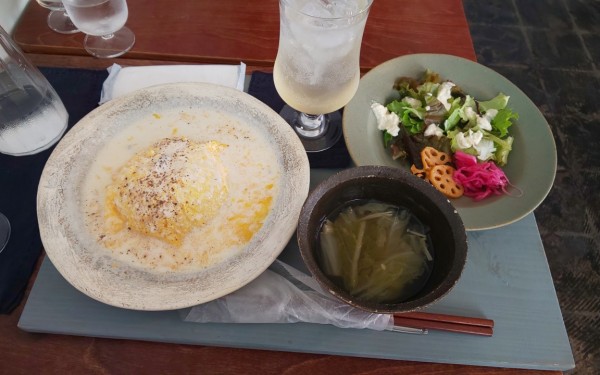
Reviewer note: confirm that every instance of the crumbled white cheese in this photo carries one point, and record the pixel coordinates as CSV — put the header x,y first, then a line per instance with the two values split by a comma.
x,y
414,103
386,120
444,93
432,130
491,113
470,113
484,122
468,139
485,149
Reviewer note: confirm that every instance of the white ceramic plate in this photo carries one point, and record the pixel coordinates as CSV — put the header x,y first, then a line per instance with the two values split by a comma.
x,y
94,271
532,161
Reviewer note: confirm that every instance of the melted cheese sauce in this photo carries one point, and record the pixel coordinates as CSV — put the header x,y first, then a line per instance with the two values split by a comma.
x,y
252,168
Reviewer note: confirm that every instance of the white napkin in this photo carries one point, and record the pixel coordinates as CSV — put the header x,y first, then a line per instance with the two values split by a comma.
x,y
121,80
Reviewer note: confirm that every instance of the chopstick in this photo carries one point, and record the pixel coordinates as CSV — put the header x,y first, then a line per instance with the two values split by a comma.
x,y
444,322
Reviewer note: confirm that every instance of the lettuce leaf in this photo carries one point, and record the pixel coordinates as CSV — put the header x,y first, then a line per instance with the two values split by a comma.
x,y
468,111
411,118
497,103
428,88
404,89
503,148
387,139
454,114
503,121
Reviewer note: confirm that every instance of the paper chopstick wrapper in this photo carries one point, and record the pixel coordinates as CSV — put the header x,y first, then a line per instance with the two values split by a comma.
x,y
123,80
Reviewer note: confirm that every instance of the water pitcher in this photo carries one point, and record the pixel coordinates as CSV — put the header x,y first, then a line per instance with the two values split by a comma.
x,y
32,116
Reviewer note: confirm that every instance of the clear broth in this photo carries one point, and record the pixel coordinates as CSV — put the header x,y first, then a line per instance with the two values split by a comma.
x,y
377,252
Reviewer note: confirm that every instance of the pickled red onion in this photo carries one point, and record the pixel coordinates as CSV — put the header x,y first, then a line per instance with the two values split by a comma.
x,y
479,180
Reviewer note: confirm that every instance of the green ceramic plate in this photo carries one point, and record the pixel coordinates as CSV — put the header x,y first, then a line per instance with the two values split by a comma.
x,y
532,162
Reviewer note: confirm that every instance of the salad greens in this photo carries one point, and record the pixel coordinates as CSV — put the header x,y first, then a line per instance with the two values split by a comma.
x,y
432,107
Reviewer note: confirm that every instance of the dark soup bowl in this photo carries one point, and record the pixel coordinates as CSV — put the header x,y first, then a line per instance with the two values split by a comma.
x,y
381,239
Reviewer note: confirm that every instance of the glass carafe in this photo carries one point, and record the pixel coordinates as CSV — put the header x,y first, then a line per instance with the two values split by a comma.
x,y
32,116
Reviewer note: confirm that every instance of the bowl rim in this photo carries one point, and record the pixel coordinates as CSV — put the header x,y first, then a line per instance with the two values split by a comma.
x,y
347,176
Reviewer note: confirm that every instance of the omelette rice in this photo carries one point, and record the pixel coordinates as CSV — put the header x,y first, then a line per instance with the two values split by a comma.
x,y
168,189
168,195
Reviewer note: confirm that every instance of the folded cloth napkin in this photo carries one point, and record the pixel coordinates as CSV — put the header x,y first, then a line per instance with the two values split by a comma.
x,y
121,80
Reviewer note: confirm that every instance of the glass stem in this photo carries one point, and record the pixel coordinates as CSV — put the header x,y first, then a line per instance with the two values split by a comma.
x,y
311,126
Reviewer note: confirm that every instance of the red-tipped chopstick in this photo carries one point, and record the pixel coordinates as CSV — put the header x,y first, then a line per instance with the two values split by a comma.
x,y
443,322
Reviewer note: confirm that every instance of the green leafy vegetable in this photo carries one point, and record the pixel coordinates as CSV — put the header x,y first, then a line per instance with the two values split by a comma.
x,y
454,114
502,121
503,148
482,127
411,118
387,139
497,103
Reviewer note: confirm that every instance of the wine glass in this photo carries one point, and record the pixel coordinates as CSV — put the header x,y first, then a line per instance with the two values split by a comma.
x,y
317,68
4,231
58,19
104,23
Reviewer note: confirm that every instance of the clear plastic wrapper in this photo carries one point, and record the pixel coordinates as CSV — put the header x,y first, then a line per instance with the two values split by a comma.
x,y
283,294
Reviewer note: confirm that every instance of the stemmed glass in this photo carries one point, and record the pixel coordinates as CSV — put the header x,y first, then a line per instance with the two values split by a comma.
x,y
104,23
4,231
58,19
317,67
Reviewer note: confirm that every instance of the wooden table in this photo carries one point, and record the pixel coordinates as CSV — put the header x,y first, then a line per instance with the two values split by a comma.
x,y
227,31
224,31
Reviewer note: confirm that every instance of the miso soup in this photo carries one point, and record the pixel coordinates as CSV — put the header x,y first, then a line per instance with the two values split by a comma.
x,y
376,251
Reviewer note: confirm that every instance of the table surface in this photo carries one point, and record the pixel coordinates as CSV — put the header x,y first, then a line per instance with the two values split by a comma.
x,y
225,31
506,278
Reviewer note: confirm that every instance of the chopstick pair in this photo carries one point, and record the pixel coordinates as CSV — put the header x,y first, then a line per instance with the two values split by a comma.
x,y
443,322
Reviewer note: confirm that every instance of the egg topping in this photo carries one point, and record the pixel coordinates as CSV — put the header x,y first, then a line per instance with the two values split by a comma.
x,y
168,189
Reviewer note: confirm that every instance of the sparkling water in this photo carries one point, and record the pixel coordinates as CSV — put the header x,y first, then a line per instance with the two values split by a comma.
x,y
332,8
317,65
97,17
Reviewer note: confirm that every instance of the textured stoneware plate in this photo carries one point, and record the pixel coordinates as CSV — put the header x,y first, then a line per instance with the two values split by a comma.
x,y
91,268
532,161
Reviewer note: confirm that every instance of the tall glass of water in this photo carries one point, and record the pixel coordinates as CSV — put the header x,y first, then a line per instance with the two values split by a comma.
x,y
32,116
58,19
104,23
317,67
